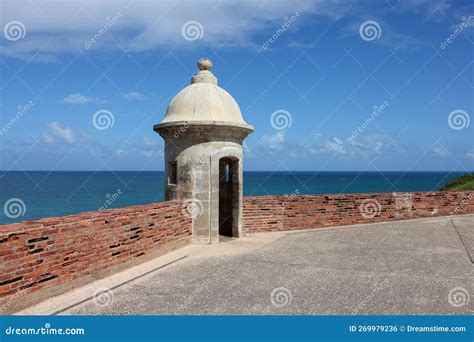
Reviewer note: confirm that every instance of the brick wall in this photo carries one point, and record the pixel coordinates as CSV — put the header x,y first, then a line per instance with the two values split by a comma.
x,y
42,253
280,213
50,253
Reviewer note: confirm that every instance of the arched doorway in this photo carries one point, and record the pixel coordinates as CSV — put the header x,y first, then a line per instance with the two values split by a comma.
x,y
228,196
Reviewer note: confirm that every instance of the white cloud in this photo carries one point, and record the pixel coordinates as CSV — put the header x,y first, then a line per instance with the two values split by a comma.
x,y
54,28
370,143
335,145
274,141
147,142
367,145
64,134
148,154
120,152
134,96
378,145
46,139
470,155
440,152
388,36
77,98
147,25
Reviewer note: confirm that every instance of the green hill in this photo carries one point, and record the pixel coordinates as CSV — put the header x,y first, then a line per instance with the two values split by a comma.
x,y
460,183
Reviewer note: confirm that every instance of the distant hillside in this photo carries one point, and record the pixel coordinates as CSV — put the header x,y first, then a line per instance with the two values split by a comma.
x,y
460,183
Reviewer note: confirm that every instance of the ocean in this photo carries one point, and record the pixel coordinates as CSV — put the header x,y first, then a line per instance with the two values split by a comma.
x,y
31,195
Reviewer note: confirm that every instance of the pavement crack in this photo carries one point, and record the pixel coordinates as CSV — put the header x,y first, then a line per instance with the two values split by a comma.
x,y
471,257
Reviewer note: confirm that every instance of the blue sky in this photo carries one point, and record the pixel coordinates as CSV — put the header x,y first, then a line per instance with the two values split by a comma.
x,y
311,63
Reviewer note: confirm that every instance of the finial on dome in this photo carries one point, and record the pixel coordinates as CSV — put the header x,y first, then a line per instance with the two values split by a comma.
x,y
204,75
205,64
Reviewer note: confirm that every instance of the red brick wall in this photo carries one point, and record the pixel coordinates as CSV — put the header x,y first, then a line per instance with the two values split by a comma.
x,y
279,213
51,251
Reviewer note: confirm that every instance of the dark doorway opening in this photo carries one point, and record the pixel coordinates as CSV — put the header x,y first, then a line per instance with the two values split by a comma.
x,y
228,196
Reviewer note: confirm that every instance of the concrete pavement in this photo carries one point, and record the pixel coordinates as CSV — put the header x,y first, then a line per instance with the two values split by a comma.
x,y
408,267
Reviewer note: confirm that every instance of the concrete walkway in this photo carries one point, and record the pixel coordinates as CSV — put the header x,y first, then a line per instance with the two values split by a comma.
x,y
407,267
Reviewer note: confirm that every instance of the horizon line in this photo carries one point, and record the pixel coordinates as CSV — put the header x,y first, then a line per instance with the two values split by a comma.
x,y
288,171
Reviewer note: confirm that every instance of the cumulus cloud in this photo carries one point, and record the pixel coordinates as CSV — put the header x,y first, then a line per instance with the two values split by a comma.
x,y
274,141
145,25
136,26
368,145
335,145
65,134
77,98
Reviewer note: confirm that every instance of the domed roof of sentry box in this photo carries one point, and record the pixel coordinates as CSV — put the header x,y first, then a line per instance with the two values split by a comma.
x,y
204,102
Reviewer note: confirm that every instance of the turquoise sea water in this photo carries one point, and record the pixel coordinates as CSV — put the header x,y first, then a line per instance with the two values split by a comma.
x,y
61,193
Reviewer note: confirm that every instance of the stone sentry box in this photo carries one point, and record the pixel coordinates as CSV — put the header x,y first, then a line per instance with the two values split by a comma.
x,y
204,131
